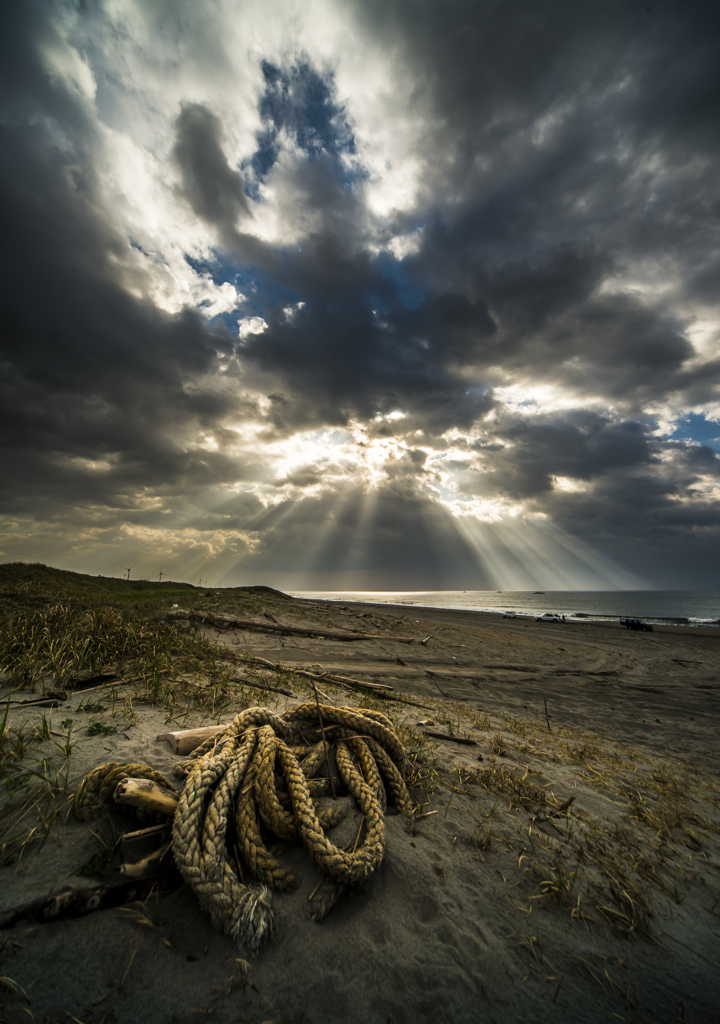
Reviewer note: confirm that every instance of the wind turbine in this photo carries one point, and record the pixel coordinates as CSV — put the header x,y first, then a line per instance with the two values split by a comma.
x,y
161,576
127,569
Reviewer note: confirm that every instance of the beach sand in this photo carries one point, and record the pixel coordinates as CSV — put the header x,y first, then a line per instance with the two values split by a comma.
x,y
571,872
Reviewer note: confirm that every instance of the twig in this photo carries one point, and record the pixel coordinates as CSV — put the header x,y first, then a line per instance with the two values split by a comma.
x,y
357,837
547,717
132,957
279,667
448,695
453,739
115,681
38,702
401,700
563,807
338,680
315,889
325,747
145,832
261,686
90,682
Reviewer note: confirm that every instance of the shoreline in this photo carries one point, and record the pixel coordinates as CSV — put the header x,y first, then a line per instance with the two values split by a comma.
x,y
433,611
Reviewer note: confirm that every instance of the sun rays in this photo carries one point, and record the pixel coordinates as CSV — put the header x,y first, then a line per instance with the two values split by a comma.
x,y
362,510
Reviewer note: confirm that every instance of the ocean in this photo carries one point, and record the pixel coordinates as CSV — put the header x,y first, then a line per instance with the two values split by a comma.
x,y
675,607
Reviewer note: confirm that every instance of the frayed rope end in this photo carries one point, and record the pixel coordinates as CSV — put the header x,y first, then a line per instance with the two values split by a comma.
x,y
252,922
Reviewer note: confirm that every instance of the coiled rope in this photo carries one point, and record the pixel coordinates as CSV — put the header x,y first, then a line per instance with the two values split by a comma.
x,y
263,770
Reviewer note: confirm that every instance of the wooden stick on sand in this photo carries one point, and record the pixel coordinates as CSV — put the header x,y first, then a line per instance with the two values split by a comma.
x,y
72,901
145,793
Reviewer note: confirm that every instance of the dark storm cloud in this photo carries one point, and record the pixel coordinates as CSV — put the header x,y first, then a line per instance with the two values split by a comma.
x,y
655,524
487,70
567,211
578,445
553,142
215,191
542,213
212,187
89,372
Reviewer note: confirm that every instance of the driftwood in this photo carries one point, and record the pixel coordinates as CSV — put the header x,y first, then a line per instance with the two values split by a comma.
x,y
317,676
39,702
90,682
453,739
186,740
72,901
139,869
342,681
398,700
346,681
226,622
128,837
145,793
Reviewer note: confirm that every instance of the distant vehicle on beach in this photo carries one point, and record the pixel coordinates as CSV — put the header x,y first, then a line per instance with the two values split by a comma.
x,y
509,615
636,624
548,617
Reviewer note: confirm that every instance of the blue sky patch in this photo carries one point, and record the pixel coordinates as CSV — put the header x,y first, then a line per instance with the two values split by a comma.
x,y
695,427
302,103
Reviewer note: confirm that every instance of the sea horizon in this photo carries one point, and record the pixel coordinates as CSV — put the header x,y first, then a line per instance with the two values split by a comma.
x,y
676,607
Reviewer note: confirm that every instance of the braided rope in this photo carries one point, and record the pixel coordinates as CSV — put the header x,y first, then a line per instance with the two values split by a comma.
x,y
393,778
369,768
278,820
262,864
250,774
368,724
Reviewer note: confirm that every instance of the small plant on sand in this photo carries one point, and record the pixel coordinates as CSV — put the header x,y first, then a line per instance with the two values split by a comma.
x,y
515,725
498,746
480,721
100,729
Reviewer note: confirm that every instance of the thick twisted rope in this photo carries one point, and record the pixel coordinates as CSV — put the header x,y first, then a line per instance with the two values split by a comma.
x,y
250,776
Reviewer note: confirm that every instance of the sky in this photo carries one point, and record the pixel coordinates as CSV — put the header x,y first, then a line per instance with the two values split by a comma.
x,y
362,294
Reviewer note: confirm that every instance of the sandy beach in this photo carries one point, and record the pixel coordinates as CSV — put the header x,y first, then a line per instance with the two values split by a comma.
x,y
570,870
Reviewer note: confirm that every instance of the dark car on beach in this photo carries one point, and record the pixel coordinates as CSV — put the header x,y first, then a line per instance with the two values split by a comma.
x,y
636,624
